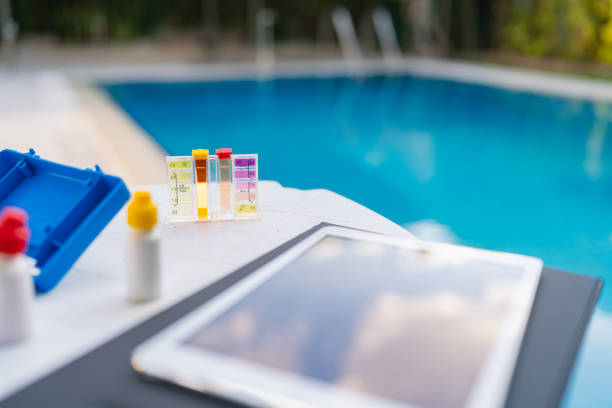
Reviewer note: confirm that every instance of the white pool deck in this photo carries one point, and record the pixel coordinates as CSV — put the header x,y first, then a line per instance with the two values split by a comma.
x,y
89,306
76,125
64,118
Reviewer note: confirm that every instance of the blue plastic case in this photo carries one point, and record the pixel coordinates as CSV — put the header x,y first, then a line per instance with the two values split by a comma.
x,y
67,208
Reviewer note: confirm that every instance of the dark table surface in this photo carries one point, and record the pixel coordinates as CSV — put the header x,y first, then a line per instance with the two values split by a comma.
x,y
104,377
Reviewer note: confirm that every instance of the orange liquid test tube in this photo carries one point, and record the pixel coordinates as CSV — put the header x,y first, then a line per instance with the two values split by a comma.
x,y
199,157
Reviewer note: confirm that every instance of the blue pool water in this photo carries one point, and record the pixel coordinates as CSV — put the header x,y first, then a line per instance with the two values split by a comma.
x,y
485,167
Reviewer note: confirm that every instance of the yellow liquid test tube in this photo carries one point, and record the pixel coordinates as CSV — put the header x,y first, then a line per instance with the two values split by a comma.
x,y
199,158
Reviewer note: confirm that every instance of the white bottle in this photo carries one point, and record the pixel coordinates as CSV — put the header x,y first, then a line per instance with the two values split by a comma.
x,y
143,250
16,284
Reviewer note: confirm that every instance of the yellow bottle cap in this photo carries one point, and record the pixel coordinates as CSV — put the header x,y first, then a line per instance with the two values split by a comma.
x,y
142,212
199,154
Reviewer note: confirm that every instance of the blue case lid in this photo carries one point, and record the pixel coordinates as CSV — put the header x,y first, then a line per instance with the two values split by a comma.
x,y
67,208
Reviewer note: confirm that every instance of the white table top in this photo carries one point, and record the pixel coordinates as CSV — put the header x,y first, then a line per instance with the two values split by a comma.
x,y
90,307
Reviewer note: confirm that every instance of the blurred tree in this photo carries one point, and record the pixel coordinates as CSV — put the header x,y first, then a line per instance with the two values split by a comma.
x,y
577,29
604,51
562,28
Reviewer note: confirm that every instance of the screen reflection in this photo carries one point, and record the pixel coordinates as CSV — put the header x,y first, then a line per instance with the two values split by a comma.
x,y
388,321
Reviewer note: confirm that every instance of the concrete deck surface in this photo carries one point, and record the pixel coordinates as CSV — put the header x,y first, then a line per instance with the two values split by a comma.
x,y
76,125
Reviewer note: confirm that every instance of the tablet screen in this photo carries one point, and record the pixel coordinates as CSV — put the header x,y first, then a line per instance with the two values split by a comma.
x,y
399,323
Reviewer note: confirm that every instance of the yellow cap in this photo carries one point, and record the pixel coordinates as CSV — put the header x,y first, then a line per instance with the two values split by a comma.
x,y
199,153
142,213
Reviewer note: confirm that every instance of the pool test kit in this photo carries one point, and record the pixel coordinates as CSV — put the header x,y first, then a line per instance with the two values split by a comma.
x,y
205,187
66,207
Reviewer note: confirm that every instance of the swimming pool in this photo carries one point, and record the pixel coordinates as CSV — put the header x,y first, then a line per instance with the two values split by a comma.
x,y
486,167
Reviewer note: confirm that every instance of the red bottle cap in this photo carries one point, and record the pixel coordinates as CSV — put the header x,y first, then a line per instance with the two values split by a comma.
x,y
14,232
224,152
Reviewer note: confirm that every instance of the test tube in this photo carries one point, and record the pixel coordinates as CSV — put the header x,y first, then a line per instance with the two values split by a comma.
x,y
225,181
214,203
199,158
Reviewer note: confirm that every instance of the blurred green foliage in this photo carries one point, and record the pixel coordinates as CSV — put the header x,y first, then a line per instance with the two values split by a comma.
x,y
576,29
83,20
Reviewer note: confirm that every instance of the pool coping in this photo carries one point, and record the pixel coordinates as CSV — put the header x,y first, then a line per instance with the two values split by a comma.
x,y
141,158
512,78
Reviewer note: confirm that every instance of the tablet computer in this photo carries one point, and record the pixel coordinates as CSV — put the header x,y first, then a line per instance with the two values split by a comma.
x,y
351,318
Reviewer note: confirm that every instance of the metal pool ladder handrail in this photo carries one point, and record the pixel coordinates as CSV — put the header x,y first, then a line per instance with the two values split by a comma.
x,y
347,38
264,40
387,37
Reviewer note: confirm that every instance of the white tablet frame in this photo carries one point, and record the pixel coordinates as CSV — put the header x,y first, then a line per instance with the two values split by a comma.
x,y
166,357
